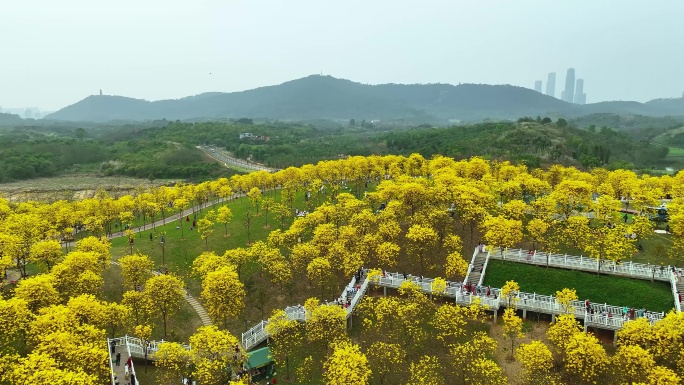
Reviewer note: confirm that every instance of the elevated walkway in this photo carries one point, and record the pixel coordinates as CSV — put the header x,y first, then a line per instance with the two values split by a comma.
x,y
564,261
628,269
604,316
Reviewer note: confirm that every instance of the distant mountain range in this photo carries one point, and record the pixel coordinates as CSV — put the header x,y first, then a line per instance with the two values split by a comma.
x,y
325,97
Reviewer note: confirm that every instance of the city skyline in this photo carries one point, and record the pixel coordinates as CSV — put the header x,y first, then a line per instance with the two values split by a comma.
x,y
551,84
574,88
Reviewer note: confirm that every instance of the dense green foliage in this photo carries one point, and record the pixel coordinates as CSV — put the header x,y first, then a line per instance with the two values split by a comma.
x,y
163,149
530,142
28,153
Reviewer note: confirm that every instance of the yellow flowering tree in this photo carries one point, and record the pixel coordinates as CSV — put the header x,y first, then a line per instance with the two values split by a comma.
x,y
537,361
38,292
585,359
502,232
205,227
484,371
176,361
135,269
46,253
346,365
165,294
320,273
327,324
213,351
286,338
421,240
387,360
512,327
224,215
562,330
14,320
509,294
438,286
144,332
427,371
630,362
224,294
564,298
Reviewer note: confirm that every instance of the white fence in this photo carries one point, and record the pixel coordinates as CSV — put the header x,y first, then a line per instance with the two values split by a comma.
x,y
628,269
471,265
258,333
484,270
524,301
121,342
673,283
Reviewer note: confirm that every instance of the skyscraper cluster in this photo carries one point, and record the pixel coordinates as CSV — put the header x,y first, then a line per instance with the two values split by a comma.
x,y
573,92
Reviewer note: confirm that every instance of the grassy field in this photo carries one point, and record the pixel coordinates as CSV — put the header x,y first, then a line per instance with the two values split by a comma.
x,y
182,246
676,152
612,290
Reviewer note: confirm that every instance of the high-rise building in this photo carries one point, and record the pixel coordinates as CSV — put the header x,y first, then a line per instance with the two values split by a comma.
x,y
551,85
580,96
538,86
569,93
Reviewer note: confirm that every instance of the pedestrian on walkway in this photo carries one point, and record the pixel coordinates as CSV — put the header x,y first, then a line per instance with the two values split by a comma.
x,y
116,380
118,359
113,346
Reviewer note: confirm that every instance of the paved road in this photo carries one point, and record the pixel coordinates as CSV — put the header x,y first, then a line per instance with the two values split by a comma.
x,y
225,158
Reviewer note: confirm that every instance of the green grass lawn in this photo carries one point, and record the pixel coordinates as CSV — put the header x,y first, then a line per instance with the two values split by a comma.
x,y
612,290
181,247
676,152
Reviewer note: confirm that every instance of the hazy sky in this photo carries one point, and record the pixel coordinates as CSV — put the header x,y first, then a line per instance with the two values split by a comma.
x,y
54,53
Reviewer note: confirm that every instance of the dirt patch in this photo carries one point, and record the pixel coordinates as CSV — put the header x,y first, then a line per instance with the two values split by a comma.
x,y
74,187
513,369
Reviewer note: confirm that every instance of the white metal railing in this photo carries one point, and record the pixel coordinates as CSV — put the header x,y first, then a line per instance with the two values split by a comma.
x,y
258,333
452,290
590,264
674,279
111,359
548,304
528,301
484,270
471,266
137,381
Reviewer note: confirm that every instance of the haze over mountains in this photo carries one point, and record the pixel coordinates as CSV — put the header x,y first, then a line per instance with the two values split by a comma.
x,y
325,97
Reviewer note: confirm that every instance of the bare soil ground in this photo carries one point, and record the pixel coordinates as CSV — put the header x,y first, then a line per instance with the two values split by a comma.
x,y
73,187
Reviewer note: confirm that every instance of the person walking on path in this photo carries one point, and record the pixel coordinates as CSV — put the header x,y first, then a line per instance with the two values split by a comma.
x,y
113,346
118,359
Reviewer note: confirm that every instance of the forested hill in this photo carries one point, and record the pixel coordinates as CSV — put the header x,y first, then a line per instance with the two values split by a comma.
x,y
325,97
8,119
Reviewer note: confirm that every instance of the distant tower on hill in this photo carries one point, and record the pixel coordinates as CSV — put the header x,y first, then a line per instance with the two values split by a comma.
x,y
569,94
100,91
551,85
580,96
538,86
